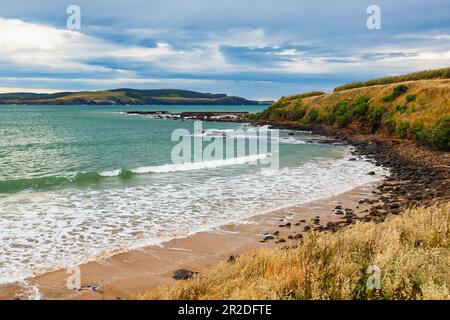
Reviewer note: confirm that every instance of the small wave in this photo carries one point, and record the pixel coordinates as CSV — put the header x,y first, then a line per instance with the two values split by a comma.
x,y
291,141
48,182
83,178
87,177
33,183
231,134
200,165
121,173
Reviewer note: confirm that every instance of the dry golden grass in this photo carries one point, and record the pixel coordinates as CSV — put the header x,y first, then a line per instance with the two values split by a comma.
x,y
412,251
432,99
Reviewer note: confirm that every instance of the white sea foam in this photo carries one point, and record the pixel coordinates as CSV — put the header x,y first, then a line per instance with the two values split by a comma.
x,y
41,231
248,134
190,166
200,165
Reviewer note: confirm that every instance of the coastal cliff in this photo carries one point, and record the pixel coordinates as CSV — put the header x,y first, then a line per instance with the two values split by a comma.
x,y
411,107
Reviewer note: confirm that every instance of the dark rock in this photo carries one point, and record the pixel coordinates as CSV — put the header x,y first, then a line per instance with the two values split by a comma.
x,y
330,225
268,237
183,274
287,225
395,205
319,228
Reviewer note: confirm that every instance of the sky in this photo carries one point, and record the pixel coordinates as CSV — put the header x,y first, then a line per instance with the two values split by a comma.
x,y
258,49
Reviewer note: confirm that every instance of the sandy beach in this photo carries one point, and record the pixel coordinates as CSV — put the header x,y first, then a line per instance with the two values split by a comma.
x,y
130,272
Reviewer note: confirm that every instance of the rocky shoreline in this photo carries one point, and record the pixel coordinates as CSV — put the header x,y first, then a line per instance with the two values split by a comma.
x,y
228,116
419,176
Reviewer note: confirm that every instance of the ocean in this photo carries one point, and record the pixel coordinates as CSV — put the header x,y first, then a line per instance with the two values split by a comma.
x,y
82,182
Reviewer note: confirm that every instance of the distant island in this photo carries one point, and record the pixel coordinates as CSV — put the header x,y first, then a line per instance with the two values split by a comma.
x,y
127,96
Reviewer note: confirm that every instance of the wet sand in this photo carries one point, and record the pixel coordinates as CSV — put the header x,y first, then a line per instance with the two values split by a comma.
x,y
136,270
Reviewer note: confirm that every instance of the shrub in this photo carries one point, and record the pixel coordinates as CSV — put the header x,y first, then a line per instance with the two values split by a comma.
x,y
375,117
283,114
403,129
313,115
416,130
344,120
440,135
410,97
274,114
331,118
389,124
421,134
361,99
401,108
396,92
280,104
341,108
361,109
322,118
297,113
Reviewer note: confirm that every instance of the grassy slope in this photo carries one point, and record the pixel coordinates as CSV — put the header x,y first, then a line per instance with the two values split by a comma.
x,y
412,109
421,75
412,251
125,96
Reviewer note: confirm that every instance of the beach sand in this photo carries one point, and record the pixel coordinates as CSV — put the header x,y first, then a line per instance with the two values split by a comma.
x,y
136,270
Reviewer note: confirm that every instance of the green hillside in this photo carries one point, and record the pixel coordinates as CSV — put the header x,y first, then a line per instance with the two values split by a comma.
x,y
418,109
124,96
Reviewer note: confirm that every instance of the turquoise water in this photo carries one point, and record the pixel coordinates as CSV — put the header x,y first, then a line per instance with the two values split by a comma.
x,y
77,182
44,145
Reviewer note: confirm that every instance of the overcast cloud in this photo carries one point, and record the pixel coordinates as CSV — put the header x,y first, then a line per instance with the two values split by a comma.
x,y
256,49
